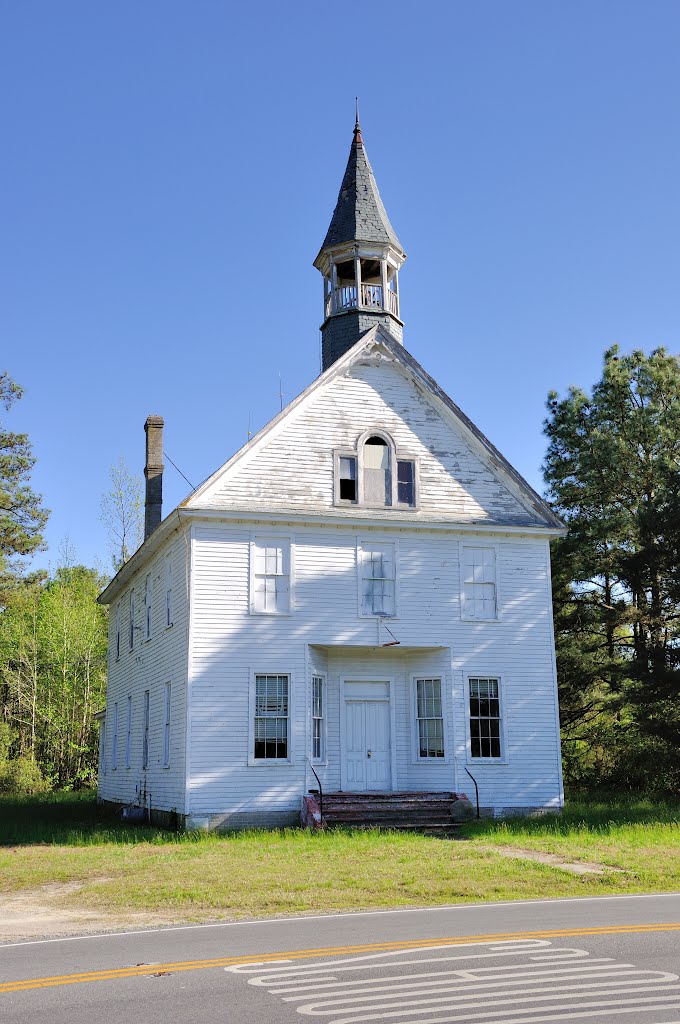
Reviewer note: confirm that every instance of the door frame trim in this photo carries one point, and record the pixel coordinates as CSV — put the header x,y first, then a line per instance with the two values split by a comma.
x,y
374,677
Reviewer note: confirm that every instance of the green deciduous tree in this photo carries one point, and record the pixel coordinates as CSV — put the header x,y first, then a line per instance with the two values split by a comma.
x,y
613,473
53,641
22,517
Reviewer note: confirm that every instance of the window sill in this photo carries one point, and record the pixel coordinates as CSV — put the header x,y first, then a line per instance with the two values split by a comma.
x,y
470,618
271,615
486,760
255,762
376,616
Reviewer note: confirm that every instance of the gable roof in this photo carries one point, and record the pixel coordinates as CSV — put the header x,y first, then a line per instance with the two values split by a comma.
x,y
379,341
359,213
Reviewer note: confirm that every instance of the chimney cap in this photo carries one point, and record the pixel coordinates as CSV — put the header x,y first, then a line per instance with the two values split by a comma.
x,y
154,421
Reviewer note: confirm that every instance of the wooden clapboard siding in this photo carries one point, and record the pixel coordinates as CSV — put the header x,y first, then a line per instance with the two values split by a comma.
x,y
292,468
324,633
149,666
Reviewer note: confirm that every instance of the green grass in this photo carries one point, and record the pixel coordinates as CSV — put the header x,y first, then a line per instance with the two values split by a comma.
x,y
194,876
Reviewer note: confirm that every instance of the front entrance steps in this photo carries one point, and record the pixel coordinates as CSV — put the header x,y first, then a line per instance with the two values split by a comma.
x,y
415,812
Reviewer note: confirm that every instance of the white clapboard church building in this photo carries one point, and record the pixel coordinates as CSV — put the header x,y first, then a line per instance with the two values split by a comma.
x,y
358,602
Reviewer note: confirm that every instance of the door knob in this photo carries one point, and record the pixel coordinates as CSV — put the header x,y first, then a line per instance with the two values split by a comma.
x,y
368,753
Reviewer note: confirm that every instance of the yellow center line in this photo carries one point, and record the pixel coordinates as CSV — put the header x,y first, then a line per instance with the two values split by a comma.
x,y
147,970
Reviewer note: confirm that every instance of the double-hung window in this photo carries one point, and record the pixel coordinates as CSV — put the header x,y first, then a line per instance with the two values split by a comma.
x,y
347,487
318,714
117,631
147,608
166,725
479,597
128,734
145,733
485,717
131,626
270,576
406,482
378,579
430,718
168,593
102,748
114,740
271,719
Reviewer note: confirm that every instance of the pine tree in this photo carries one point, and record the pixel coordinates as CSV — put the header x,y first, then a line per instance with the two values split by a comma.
x,y
613,473
22,516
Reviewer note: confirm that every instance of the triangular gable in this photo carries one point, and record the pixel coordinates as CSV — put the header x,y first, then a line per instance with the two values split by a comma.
x,y
289,464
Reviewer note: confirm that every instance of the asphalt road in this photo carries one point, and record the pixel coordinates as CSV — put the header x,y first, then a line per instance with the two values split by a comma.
x,y
609,959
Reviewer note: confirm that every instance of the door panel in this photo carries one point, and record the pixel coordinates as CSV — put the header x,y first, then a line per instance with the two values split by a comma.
x,y
355,745
378,744
367,745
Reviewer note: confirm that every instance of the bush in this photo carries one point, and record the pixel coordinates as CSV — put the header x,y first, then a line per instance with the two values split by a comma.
x,y
21,775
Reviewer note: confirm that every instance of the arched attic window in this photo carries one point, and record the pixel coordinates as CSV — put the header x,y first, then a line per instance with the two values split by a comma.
x,y
374,474
377,471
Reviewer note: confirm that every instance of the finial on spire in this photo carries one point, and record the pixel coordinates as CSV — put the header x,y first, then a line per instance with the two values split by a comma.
x,y
357,126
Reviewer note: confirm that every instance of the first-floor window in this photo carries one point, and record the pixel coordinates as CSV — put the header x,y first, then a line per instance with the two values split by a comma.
x,y
271,716
114,742
485,718
102,748
128,734
377,579
317,718
166,728
430,717
145,734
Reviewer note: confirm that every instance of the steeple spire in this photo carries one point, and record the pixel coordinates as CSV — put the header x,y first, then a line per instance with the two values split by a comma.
x,y
359,259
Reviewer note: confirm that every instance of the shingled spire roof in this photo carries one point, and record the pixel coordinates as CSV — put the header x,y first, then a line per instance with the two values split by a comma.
x,y
359,214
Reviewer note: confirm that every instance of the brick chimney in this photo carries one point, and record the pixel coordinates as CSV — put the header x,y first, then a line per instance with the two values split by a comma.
x,y
153,471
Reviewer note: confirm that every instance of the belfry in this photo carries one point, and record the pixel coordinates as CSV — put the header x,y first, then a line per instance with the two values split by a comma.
x,y
360,261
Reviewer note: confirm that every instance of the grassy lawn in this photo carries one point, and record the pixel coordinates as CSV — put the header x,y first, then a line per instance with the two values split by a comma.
x,y
67,838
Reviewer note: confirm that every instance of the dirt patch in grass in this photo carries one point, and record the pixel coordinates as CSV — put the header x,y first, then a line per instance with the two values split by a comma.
x,y
579,867
43,912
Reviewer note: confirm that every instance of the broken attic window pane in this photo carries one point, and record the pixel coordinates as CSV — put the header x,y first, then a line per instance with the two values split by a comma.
x,y
376,472
406,491
348,479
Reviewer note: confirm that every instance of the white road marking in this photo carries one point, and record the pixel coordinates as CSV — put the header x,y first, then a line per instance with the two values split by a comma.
x,y
527,982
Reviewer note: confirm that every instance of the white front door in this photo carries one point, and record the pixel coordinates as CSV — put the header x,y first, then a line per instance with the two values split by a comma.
x,y
367,745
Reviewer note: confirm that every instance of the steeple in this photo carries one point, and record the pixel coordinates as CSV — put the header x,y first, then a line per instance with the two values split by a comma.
x,y
360,260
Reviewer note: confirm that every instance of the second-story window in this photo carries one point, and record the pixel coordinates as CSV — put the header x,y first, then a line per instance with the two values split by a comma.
x,y
270,575
479,599
147,608
168,593
131,633
377,568
118,631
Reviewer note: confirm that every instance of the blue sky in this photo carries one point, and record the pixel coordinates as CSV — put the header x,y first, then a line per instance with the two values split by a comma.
x,y
169,171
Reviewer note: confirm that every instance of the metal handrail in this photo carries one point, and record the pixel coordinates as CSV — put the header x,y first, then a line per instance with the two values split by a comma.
x,y
320,790
476,789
